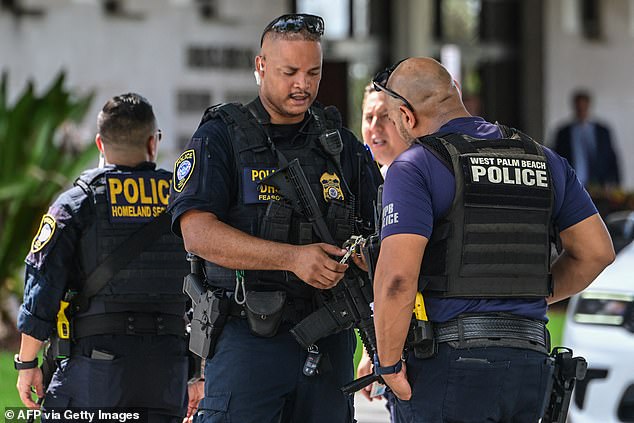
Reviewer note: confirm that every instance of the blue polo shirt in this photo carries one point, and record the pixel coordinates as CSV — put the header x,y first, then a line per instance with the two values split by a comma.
x,y
420,188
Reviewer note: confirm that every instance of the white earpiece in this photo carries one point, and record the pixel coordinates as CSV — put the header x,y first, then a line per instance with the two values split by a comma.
x,y
257,77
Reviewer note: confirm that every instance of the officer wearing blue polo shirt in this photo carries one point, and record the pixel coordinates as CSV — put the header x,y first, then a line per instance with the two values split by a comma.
x,y
480,205
104,282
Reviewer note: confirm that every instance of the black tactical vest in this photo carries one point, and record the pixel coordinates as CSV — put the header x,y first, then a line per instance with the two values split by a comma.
x,y
259,210
122,203
495,241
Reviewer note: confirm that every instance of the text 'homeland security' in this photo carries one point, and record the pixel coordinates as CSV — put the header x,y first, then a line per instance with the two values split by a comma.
x,y
497,170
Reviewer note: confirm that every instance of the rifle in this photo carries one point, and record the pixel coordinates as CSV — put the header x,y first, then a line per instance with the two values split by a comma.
x,y
347,304
567,370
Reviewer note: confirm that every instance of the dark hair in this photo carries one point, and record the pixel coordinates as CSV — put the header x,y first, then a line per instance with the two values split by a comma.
x,y
581,95
126,120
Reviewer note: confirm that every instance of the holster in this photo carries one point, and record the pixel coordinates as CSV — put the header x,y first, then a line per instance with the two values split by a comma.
x,y
210,315
59,348
370,251
421,340
264,311
49,365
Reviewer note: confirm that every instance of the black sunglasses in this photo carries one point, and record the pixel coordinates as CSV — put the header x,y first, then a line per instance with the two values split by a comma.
x,y
380,84
295,22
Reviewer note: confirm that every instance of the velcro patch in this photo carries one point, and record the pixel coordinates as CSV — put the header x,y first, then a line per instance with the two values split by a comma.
x,y
44,233
253,191
507,171
183,168
136,197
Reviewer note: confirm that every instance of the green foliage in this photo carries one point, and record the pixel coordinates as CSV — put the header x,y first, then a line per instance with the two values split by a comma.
x,y
556,320
8,375
37,160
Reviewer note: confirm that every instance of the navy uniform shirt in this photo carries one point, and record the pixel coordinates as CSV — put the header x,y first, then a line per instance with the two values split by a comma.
x,y
52,265
209,179
419,189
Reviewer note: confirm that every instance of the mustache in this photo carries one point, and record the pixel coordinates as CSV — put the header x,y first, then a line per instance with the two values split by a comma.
x,y
299,93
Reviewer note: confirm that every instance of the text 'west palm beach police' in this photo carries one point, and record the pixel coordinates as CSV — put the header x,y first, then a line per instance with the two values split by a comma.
x,y
498,170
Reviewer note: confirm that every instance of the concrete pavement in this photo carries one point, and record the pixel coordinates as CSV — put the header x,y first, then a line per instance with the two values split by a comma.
x,y
370,412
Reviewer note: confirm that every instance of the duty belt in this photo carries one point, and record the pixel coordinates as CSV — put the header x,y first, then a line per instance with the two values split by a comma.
x,y
128,324
494,330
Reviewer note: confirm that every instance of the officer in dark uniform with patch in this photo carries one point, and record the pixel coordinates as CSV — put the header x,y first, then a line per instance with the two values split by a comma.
x,y
104,281
261,252
480,205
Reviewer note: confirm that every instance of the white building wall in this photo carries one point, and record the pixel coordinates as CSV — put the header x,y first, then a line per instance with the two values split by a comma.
x,y
604,67
113,55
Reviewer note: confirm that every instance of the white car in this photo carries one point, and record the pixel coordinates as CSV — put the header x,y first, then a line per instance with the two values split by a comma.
x,y
600,327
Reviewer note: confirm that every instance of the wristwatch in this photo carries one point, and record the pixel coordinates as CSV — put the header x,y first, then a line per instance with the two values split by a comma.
x,y
23,365
387,370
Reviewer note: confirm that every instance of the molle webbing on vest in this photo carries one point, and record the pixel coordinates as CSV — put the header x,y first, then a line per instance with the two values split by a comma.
x,y
152,279
495,240
261,213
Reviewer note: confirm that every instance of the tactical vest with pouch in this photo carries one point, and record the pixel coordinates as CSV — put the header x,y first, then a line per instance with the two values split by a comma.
x,y
150,281
259,210
496,239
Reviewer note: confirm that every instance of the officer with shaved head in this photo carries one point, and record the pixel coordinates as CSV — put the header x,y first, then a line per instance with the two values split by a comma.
x,y
471,213
264,264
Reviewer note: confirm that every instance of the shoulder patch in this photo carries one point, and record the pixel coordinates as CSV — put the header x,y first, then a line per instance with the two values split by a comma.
x,y
44,233
183,169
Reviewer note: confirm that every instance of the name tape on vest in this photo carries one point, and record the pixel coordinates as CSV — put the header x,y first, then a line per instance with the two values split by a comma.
x,y
137,197
509,171
254,192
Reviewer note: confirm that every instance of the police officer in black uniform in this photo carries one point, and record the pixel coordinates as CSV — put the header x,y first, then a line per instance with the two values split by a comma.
x,y
257,245
103,281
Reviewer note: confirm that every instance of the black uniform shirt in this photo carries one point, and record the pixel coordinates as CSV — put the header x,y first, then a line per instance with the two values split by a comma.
x,y
52,265
210,180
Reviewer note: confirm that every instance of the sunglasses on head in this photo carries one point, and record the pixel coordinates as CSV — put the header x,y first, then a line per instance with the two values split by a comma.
x,y
295,22
380,84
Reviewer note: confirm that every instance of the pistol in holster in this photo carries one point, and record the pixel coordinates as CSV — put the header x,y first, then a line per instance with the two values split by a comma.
x,y
567,370
210,311
420,337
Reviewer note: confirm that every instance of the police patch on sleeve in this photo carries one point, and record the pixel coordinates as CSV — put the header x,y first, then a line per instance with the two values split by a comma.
x,y
183,169
44,233
332,186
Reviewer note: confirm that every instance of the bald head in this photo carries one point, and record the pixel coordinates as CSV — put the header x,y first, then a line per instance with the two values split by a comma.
x,y
431,90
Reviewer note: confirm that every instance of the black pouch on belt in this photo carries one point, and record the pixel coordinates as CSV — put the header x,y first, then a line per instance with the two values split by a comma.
x,y
264,311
